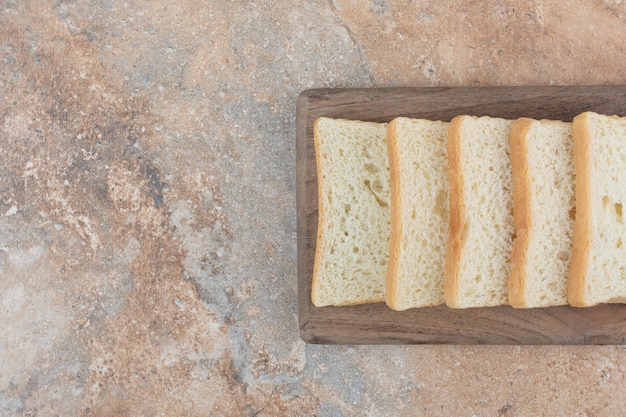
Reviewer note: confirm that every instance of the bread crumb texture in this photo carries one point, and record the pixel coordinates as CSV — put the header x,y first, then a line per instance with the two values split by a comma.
x,y
551,210
420,220
354,216
606,268
487,183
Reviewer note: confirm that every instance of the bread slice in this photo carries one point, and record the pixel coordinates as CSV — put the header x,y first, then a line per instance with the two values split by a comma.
x,y
598,268
543,213
477,265
354,212
419,212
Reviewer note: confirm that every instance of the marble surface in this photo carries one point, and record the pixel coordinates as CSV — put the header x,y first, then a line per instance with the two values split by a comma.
x,y
147,204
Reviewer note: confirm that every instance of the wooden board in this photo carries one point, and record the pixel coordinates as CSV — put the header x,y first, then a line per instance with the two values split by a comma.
x,y
376,323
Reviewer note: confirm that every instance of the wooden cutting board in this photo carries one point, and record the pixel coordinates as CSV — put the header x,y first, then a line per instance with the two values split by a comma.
x,y
376,323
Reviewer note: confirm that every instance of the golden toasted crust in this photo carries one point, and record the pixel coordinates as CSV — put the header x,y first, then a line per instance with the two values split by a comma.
x,y
521,211
396,226
320,216
582,224
458,220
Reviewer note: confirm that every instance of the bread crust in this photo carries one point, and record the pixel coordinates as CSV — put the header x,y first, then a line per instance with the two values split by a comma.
x,y
576,291
320,216
521,211
396,226
458,216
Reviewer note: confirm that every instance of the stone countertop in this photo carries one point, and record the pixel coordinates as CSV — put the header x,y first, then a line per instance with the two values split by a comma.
x,y
147,204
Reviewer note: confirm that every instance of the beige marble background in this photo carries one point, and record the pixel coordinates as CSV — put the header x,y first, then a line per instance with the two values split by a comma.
x,y
147,204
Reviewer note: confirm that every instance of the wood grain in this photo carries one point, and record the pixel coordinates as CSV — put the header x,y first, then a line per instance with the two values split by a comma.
x,y
376,323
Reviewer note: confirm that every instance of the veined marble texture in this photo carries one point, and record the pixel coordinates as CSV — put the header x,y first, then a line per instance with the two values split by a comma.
x,y
147,204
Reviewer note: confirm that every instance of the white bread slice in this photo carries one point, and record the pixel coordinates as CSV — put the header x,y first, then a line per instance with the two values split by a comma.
x,y
419,212
354,212
543,193
598,268
481,212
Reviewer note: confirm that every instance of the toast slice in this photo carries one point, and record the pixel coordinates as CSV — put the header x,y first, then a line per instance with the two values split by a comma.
x,y
597,271
543,213
479,246
419,212
354,212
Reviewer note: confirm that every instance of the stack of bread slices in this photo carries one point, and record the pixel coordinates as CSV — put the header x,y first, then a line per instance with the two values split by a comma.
x,y
475,212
